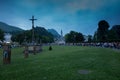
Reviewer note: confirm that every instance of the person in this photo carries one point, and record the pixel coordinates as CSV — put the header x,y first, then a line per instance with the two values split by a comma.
x,y
50,48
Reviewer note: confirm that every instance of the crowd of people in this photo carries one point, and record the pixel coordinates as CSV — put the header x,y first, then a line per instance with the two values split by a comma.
x,y
114,45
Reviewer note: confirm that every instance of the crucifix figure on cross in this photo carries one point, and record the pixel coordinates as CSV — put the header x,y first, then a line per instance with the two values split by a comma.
x,y
33,19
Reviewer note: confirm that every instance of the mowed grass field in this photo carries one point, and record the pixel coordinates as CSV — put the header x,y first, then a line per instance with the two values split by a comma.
x,y
63,63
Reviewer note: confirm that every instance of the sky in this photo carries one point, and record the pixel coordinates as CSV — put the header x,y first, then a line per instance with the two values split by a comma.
x,y
66,15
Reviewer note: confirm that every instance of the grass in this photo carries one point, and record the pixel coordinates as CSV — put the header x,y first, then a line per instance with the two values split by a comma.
x,y
63,63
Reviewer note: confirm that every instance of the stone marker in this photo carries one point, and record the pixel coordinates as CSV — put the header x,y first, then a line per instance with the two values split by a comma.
x,y
6,53
26,53
84,71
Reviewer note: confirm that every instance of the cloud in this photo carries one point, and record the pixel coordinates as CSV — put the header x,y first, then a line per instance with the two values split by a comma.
x,y
28,3
61,14
73,6
83,4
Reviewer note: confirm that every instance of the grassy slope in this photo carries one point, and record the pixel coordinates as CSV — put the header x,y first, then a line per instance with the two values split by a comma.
x,y
63,63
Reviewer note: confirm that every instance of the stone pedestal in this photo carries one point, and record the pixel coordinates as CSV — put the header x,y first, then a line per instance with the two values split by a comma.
x,y
34,49
6,53
26,52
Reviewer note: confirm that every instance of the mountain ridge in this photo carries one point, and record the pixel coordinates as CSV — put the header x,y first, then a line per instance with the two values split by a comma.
x,y
54,32
9,28
13,29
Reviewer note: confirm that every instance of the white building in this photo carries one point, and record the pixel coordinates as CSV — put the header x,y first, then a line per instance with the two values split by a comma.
x,y
86,38
60,40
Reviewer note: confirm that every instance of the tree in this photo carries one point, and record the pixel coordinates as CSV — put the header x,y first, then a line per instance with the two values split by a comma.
x,y
70,37
89,38
114,33
74,37
79,37
95,37
102,32
1,35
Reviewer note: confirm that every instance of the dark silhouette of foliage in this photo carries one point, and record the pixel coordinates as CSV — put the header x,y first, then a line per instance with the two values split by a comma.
x,y
89,38
79,37
41,35
1,35
74,37
102,32
95,37
114,33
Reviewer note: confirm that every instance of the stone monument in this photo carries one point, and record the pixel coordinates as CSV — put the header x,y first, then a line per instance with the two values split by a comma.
x,y
34,47
7,49
26,53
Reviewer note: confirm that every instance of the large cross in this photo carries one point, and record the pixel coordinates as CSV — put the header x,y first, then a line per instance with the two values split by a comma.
x,y
33,39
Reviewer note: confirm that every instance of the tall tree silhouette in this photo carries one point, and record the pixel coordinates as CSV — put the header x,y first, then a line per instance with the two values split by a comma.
x,y
114,33
102,31
1,35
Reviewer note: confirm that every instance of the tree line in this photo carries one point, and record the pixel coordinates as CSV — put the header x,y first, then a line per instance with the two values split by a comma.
x,y
102,34
74,37
40,35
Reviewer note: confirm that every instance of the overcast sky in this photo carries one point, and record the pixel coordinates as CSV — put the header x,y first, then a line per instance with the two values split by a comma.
x,y
78,15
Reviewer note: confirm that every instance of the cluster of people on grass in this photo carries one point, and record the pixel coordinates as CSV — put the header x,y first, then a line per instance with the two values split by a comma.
x,y
114,45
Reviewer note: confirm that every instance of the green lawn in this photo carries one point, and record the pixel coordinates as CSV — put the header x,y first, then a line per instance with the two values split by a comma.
x,y
63,63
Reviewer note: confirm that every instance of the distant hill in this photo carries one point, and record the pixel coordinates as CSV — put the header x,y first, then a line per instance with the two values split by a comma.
x,y
42,31
54,33
8,28
40,34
